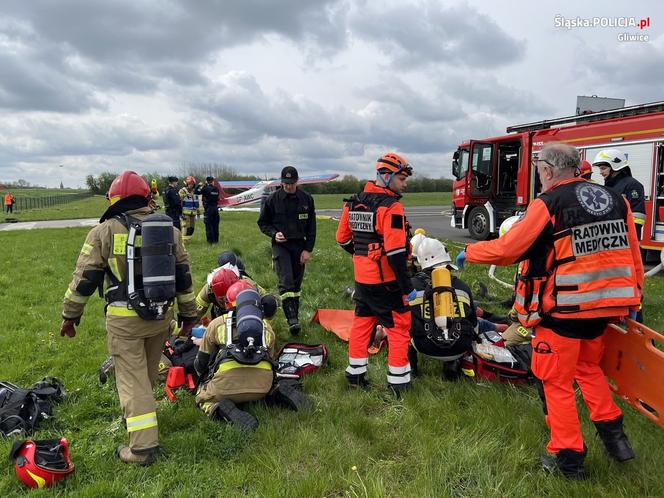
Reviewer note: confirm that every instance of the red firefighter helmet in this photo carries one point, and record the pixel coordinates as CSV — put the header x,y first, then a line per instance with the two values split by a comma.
x,y
393,163
585,168
235,289
129,183
190,180
221,281
41,463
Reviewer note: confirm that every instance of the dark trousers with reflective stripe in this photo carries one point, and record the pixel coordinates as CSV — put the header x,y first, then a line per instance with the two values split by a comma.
x,y
559,361
286,259
136,362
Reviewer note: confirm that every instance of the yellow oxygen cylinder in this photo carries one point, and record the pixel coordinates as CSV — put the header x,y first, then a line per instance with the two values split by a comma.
x,y
443,302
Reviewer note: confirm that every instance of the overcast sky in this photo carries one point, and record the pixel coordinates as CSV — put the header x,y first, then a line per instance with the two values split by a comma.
x,y
325,85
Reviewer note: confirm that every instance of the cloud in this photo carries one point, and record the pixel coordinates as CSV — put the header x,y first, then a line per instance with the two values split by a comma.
x,y
427,33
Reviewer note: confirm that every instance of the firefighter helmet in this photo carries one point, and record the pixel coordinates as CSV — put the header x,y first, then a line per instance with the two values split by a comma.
x,y
40,464
190,180
393,163
585,168
221,281
432,252
615,158
230,258
235,289
128,184
507,224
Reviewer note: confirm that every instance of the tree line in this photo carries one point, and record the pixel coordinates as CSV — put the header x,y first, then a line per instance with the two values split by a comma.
x,y
346,184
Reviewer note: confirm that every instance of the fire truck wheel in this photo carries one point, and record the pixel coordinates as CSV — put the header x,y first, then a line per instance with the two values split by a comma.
x,y
478,223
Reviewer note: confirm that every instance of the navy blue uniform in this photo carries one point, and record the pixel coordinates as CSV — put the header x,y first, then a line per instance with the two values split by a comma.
x,y
210,195
173,205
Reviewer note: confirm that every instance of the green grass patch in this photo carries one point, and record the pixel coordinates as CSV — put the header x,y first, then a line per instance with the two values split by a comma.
x,y
461,439
90,207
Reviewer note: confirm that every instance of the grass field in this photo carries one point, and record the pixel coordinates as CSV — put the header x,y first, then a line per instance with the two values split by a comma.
x,y
93,206
461,439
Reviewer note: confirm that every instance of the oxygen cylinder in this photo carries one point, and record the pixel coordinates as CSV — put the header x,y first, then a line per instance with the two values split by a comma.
x,y
158,258
443,302
249,315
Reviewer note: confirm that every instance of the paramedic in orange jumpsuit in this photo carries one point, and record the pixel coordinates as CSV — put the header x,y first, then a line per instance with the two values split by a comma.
x,y
582,271
373,229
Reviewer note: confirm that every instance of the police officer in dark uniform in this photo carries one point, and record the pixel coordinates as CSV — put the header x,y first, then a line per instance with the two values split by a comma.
x,y
288,217
172,203
210,195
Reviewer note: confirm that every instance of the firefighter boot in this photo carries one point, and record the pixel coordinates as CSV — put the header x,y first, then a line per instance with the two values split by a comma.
x,y
143,458
288,395
399,389
615,440
358,381
568,462
290,310
226,410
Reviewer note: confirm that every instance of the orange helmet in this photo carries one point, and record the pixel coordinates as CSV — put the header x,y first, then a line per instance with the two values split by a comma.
x,y
128,184
235,289
585,168
393,163
190,180
221,281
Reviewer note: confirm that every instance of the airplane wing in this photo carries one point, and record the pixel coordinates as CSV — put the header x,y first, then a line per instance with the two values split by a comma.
x,y
244,184
238,183
317,178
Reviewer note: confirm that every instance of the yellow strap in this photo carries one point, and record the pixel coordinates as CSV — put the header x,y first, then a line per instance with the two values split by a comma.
x,y
120,311
201,302
230,365
113,264
87,249
142,422
76,297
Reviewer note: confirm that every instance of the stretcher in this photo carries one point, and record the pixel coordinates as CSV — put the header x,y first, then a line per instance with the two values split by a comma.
x,y
633,361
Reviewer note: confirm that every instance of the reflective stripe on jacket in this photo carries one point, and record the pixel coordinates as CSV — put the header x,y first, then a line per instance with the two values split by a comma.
x,y
580,252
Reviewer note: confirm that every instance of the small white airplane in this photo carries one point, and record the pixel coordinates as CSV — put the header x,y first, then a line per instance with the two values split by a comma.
x,y
259,189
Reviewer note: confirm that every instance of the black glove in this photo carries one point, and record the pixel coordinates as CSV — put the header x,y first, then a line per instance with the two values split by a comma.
x,y
68,326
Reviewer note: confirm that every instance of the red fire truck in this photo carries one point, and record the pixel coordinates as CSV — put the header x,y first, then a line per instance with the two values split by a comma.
x,y
494,177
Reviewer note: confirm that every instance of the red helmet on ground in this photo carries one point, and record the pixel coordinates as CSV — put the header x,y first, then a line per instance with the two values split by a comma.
x,y
42,463
393,163
235,289
190,180
221,281
585,168
129,183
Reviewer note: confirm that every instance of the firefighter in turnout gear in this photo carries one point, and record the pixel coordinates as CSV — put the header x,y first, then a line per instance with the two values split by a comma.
x,y
614,167
172,203
143,273
580,270
288,217
449,341
191,209
210,194
373,229
235,359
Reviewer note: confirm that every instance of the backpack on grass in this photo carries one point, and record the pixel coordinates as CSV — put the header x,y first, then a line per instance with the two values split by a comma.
x,y
21,410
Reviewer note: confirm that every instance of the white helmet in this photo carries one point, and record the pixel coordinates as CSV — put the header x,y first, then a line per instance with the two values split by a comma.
x,y
507,224
432,252
415,242
613,157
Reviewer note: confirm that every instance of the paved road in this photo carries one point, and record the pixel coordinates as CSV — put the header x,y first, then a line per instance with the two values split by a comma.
x,y
434,219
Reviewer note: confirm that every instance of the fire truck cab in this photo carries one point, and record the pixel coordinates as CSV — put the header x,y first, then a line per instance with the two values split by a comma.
x,y
494,177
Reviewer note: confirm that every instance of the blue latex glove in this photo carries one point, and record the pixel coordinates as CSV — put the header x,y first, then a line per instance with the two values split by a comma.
x,y
632,315
461,259
411,296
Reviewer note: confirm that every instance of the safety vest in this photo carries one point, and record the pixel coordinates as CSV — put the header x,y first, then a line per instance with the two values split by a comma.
x,y
589,270
190,204
362,215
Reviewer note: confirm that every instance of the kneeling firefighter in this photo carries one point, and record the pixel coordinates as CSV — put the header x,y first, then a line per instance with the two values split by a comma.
x,y
144,264
443,313
235,360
